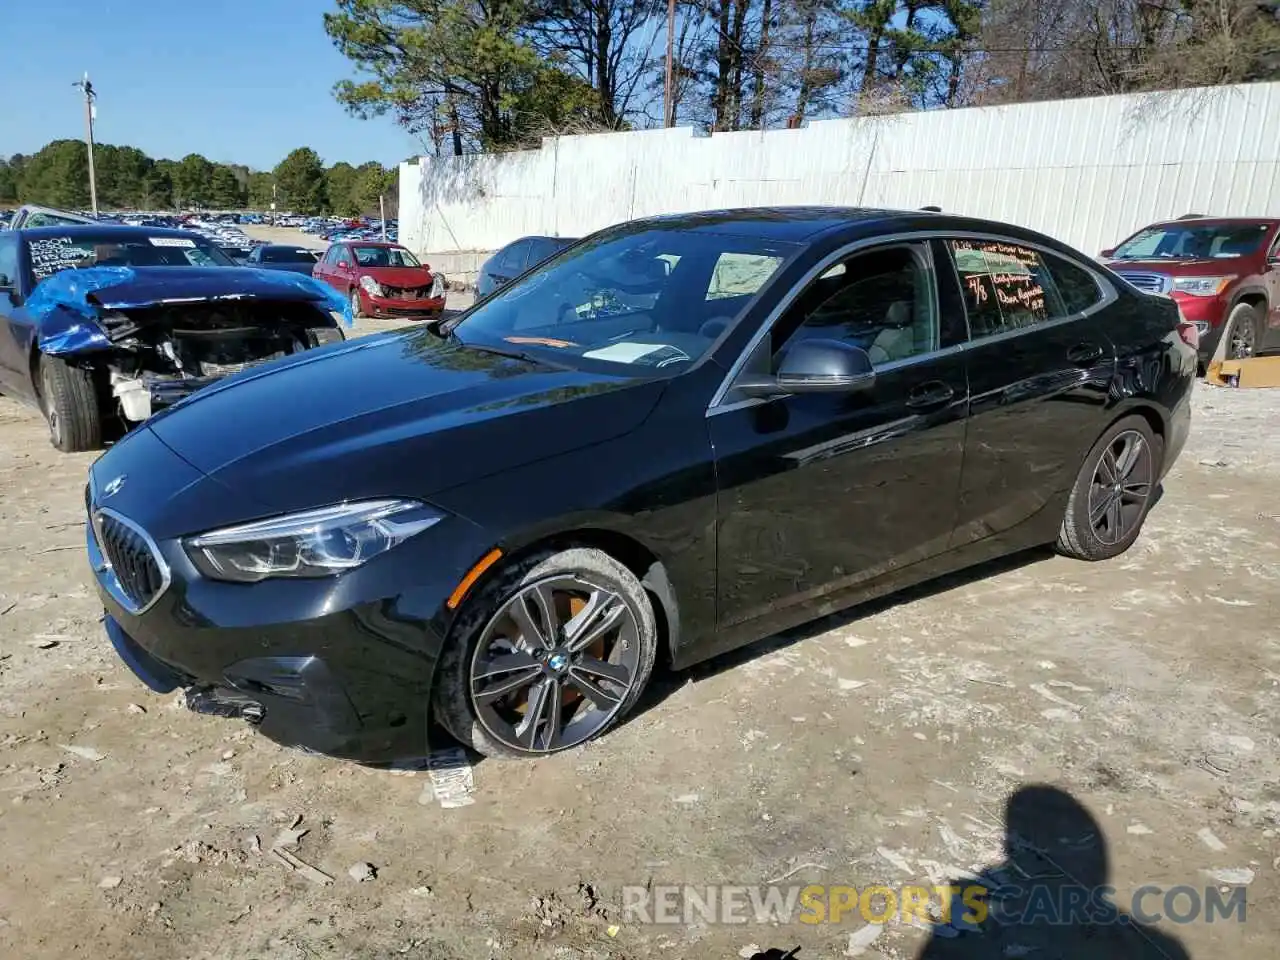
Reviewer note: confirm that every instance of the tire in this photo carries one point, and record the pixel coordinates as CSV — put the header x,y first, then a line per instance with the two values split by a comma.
x,y
1095,527
356,306
629,646
70,405
321,336
1243,324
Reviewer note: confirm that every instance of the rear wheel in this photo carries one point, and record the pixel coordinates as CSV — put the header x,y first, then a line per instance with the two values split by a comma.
x,y
1112,493
1243,324
553,653
70,405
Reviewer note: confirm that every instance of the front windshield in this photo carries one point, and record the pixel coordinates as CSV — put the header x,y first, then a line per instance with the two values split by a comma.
x,y
1193,242
53,253
385,257
649,299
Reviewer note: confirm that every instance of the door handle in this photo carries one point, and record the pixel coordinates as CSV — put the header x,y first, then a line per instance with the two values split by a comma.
x,y
934,393
1083,353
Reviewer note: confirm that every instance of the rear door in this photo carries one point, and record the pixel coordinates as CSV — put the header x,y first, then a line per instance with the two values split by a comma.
x,y
1040,365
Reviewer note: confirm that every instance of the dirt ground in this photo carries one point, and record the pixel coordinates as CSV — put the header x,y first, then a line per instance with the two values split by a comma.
x,y
875,747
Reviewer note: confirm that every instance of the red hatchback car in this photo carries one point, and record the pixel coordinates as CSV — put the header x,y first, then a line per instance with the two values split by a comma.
x,y
382,280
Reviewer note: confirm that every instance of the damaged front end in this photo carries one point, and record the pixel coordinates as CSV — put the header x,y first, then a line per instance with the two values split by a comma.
x,y
153,347
164,353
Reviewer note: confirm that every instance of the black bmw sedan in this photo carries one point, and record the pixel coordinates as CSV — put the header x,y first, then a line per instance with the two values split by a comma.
x,y
676,437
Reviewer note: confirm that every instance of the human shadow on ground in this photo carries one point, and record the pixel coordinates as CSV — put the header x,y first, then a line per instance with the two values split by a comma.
x,y
1048,898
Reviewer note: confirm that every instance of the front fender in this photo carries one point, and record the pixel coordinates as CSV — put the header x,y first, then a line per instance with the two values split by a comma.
x,y
63,313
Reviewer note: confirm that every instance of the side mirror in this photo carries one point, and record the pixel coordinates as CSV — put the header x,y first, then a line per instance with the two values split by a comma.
x,y
343,264
815,366
1108,253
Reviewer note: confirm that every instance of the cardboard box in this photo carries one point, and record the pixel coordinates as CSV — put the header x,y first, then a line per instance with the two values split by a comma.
x,y
1253,372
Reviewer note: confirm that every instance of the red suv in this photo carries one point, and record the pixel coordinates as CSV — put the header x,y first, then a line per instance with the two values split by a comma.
x,y
1216,268
382,280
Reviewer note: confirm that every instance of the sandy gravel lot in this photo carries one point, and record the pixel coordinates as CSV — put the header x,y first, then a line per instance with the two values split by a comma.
x,y
875,747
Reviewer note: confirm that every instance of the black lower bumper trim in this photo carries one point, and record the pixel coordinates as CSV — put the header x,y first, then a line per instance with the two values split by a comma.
x,y
219,702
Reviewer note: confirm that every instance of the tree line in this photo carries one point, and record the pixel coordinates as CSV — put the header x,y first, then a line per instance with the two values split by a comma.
x,y
127,179
480,75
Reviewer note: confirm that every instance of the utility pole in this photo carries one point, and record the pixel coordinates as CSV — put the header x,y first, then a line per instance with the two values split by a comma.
x,y
382,213
90,95
669,100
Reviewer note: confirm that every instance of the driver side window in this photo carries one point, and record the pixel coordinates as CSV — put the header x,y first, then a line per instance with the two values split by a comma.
x,y
883,301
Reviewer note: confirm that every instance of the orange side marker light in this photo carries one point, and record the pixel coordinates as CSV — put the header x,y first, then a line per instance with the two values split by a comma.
x,y
474,574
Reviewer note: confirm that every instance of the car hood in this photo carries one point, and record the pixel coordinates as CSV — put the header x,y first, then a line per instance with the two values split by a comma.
x,y
1200,267
345,421
398,276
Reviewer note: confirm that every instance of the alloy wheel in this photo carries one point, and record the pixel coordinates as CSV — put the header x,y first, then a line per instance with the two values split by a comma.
x,y
1121,487
555,664
355,304
1242,337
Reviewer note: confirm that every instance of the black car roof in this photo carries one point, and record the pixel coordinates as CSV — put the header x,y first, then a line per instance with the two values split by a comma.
x,y
773,223
77,230
805,224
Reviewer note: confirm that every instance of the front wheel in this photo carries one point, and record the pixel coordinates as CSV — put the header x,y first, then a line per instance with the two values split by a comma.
x,y
552,653
355,304
1112,493
70,405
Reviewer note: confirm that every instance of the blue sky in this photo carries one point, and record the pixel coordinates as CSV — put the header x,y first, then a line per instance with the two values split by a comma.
x,y
240,81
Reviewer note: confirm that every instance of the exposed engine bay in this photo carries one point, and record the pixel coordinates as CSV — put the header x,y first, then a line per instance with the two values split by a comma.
x,y
166,352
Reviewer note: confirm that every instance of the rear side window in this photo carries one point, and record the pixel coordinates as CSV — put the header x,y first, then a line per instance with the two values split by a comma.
x,y
512,259
539,250
1076,285
1006,286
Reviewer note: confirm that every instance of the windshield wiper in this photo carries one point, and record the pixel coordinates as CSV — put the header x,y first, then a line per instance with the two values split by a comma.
x,y
514,354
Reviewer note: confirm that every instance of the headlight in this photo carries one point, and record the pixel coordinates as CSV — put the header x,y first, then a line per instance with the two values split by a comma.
x,y
437,286
314,543
371,286
1201,286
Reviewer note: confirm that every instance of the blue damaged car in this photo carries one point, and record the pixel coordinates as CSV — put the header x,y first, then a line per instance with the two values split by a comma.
x,y
102,324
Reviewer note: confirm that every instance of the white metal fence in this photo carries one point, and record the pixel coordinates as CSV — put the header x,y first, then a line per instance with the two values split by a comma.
x,y
1086,171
